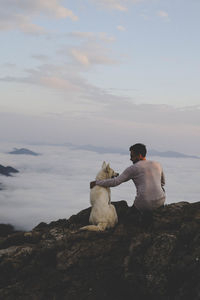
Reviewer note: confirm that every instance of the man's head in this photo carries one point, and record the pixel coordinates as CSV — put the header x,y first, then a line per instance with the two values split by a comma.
x,y
137,152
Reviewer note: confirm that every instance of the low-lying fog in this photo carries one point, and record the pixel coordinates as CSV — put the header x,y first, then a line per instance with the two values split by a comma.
x,y
55,184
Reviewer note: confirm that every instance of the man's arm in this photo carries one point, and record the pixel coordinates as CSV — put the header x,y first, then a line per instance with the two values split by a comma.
x,y
92,184
125,176
163,181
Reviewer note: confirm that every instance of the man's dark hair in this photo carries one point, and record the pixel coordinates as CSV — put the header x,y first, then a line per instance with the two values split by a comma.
x,y
139,149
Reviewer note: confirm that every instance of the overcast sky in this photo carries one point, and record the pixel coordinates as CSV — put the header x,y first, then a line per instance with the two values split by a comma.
x,y
104,72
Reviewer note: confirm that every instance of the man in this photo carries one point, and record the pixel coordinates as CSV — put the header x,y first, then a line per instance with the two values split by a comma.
x,y
147,176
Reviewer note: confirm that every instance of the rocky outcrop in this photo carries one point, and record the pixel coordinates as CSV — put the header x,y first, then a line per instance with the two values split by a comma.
x,y
7,171
6,229
144,257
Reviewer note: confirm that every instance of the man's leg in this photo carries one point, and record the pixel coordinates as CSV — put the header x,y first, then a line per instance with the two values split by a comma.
x,y
133,215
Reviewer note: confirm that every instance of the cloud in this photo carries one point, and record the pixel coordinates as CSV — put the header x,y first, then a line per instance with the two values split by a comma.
x,y
145,16
90,55
69,75
59,83
65,71
20,14
20,22
55,184
64,77
111,117
100,107
82,58
114,109
36,7
91,36
111,4
51,186
121,28
50,81
162,114
162,14
90,51
9,65
40,57
120,5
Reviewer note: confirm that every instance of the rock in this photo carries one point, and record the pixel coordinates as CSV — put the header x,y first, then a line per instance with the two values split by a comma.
x,y
143,257
6,229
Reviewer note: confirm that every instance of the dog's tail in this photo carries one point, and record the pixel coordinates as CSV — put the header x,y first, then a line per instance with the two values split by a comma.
x,y
98,227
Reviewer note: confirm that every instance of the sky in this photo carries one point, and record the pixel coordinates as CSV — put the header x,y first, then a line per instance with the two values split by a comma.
x,y
55,184
101,72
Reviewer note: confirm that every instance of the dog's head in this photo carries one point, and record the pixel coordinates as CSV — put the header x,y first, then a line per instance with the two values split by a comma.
x,y
110,173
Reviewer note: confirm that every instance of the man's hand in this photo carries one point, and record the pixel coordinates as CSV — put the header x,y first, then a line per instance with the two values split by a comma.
x,y
92,184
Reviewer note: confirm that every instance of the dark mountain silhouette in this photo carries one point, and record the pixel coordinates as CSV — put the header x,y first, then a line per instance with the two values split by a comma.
x,y
99,149
151,152
23,151
7,170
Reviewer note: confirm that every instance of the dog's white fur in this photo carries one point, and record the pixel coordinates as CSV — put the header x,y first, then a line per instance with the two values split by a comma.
x,y
103,214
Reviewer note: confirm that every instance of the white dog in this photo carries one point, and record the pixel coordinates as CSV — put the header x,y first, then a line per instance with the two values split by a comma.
x,y
103,214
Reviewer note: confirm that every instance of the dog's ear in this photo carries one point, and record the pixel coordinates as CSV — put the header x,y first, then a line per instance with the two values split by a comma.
x,y
107,168
104,165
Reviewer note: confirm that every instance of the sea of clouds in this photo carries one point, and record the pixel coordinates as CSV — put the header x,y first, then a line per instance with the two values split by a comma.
x,y
55,184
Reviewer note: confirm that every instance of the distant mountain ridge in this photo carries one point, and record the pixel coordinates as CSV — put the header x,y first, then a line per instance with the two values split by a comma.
x,y
7,170
23,151
151,152
103,150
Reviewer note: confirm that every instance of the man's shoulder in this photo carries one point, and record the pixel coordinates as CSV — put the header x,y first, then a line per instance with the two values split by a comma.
x,y
149,162
130,169
154,163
